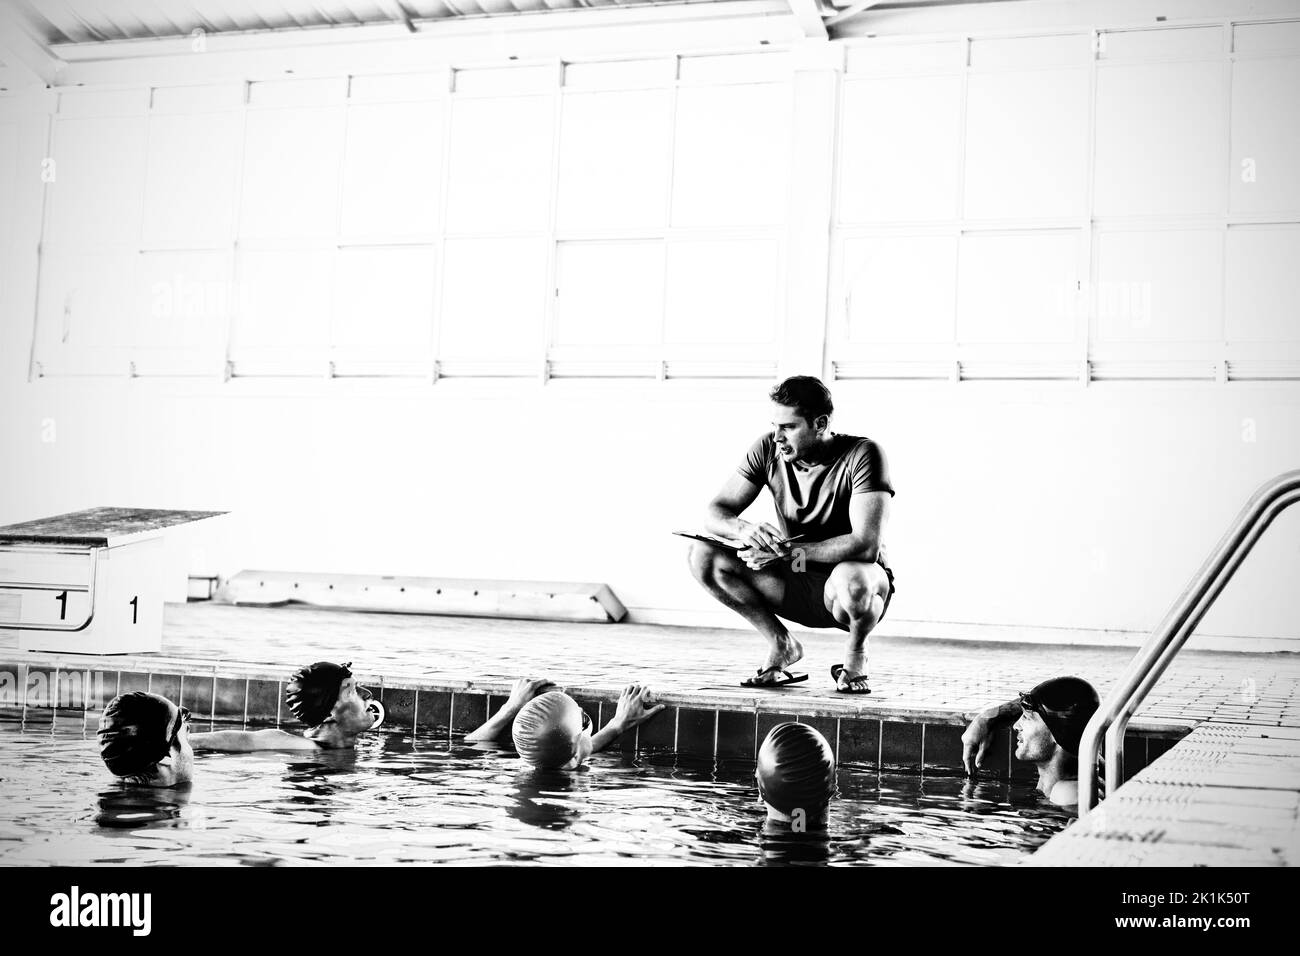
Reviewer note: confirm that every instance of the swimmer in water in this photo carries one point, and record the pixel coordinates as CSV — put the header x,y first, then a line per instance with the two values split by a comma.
x,y
144,740
551,731
1049,723
326,698
796,778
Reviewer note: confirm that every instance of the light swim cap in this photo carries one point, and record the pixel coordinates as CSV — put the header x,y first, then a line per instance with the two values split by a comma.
x,y
796,769
547,728
313,691
136,731
1066,704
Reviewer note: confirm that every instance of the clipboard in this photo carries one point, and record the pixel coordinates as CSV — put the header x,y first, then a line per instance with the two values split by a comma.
x,y
727,545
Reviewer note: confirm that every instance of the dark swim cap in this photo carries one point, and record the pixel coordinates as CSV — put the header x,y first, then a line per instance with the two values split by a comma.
x,y
136,731
547,728
796,768
313,691
1066,704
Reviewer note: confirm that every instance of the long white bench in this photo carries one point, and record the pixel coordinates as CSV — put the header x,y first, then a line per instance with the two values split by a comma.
x,y
460,597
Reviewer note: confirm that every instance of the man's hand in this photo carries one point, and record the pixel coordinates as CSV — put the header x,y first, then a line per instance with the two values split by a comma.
x,y
635,706
757,559
763,537
975,744
525,689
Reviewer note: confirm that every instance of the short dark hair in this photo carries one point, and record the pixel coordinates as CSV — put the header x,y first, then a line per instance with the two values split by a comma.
x,y
806,394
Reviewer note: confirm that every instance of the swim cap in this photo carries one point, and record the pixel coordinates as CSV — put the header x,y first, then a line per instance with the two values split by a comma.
x,y
547,728
1066,704
136,731
313,691
796,768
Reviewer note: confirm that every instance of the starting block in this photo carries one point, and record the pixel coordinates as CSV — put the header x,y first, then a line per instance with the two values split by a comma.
x,y
88,582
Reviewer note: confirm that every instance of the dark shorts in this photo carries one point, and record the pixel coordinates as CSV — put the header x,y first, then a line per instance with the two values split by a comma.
x,y
805,601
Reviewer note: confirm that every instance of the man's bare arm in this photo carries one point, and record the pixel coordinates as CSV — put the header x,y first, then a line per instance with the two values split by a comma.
x,y
868,513
724,511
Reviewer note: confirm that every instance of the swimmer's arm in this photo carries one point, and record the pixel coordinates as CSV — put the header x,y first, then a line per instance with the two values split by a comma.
x,y
985,725
868,512
635,706
245,741
498,725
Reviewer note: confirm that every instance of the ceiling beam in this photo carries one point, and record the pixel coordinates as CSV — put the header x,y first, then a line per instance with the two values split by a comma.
x,y
24,53
808,14
862,6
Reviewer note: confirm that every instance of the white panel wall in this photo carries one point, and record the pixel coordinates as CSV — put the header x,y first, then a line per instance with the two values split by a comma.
x,y
1006,205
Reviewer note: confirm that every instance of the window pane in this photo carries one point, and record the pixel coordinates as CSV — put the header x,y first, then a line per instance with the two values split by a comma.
x,y
291,173
1158,286
492,299
614,159
99,180
900,289
610,293
1026,144
900,151
1159,139
190,187
723,291
732,155
1263,293
1017,288
500,164
385,298
393,170
285,299
1265,135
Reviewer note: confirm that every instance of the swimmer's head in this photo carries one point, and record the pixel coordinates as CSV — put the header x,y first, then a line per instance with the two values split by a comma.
x,y
552,732
326,696
796,772
1054,714
144,739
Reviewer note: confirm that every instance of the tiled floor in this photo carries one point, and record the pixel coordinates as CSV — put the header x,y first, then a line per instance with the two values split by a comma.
x,y
703,665
1225,795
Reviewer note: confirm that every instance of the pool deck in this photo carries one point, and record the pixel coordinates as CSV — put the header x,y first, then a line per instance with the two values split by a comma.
x,y
1241,759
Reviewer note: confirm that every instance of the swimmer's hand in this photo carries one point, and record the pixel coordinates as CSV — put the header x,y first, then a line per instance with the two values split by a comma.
x,y
979,736
526,688
635,706
497,727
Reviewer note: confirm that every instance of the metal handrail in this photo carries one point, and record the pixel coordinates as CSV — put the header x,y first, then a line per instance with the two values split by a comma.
x,y
1149,663
89,587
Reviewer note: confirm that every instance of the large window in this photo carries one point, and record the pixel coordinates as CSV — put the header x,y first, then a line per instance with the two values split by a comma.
x,y
594,219
1114,204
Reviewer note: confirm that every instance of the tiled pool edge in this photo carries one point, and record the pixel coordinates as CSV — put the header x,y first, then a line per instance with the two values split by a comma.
x,y
705,725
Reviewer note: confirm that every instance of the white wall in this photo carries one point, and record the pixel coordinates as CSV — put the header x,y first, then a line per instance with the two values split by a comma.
x,y
1000,209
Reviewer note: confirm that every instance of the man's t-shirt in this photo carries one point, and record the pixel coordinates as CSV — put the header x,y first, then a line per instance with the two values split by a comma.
x,y
813,500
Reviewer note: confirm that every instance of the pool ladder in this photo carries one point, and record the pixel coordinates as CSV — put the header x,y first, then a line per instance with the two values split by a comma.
x,y
1150,662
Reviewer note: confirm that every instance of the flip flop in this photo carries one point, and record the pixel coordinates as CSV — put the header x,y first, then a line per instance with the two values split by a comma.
x,y
764,671
837,670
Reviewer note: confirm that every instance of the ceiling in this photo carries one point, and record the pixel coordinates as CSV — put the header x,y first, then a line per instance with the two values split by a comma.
x,y
87,21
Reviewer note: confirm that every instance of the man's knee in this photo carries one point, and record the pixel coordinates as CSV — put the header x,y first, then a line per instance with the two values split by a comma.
x,y
855,590
705,561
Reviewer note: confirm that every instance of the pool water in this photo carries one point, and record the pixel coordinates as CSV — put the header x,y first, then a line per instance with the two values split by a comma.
x,y
401,799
